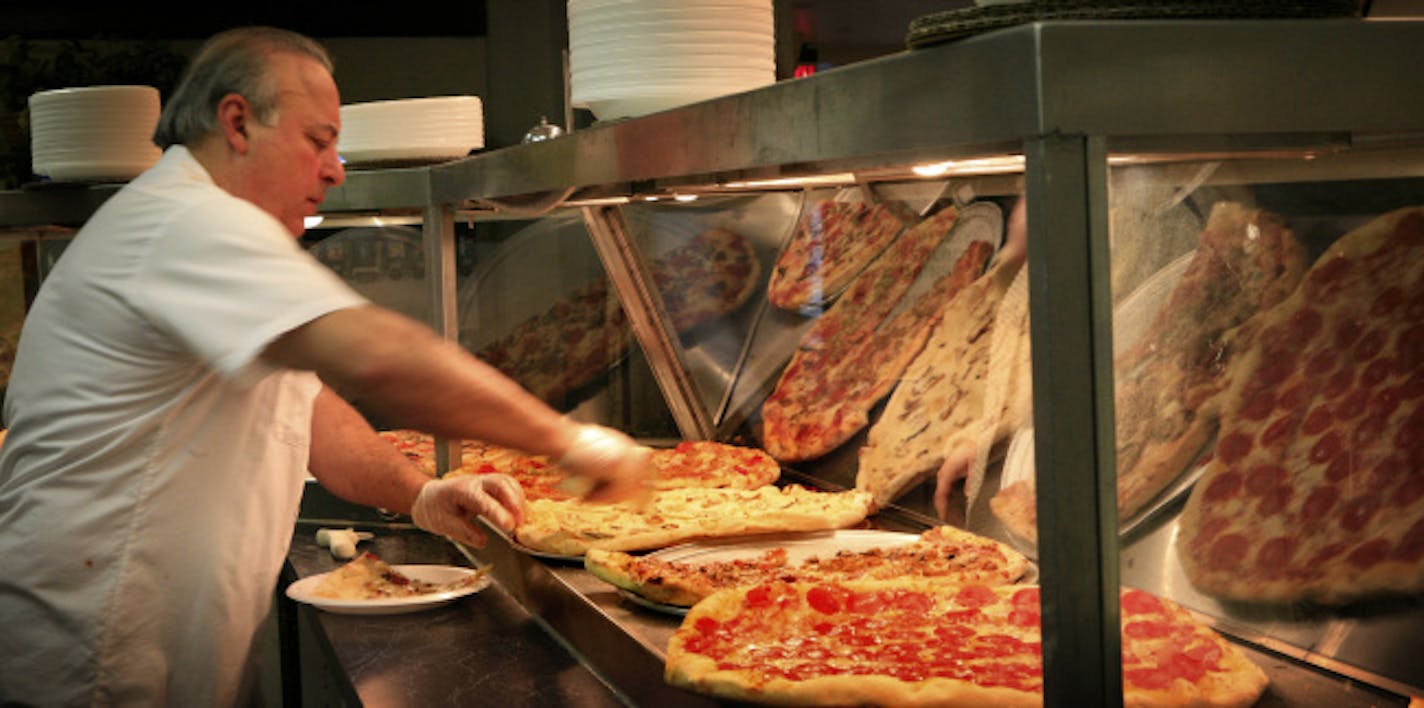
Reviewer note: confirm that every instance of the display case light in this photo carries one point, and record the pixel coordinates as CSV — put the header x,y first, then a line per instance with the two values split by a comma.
x,y
978,165
685,197
803,181
312,222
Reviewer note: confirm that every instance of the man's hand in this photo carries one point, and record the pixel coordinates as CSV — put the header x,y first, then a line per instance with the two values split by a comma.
x,y
605,465
448,506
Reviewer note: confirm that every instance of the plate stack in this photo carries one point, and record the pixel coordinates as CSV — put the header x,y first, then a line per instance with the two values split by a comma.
x,y
633,57
93,133
411,131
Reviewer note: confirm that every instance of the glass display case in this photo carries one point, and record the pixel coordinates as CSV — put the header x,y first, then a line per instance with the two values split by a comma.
x,y
1177,186
1137,148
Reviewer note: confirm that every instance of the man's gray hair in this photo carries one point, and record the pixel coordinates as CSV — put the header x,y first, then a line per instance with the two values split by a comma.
x,y
234,61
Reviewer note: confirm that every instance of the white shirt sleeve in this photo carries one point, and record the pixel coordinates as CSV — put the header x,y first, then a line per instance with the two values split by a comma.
x,y
227,279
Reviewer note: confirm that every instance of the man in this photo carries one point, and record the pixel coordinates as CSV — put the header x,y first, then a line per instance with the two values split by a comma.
x,y
181,370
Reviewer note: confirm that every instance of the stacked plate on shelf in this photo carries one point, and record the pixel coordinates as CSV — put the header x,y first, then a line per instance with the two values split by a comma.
x,y
633,57
411,131
93,133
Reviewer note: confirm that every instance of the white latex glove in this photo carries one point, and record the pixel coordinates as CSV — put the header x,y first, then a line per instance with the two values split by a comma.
x,y
449,506
606,465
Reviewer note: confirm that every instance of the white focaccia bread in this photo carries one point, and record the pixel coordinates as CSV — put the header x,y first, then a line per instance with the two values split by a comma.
x,y
571,527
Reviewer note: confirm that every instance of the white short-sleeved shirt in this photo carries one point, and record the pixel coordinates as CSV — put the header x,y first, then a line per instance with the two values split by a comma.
x,y
154,464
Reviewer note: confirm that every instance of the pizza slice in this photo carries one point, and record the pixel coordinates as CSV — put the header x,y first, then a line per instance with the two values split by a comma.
x,y
831,244
1246,260
852,357
943,552
1314,491
940,403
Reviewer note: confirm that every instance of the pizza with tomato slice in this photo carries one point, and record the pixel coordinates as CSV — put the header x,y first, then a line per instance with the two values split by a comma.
x,y
925,642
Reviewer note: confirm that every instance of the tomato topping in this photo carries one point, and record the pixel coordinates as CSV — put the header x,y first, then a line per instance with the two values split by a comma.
x,y
759,596
1147,629
826,599
974,596
1139,602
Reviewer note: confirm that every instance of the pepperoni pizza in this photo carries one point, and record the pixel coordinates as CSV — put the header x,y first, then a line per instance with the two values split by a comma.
x,y
1316,487
919,642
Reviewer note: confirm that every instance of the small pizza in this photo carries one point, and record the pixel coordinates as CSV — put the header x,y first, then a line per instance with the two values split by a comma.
x,y
584,332
367,577
847,361
925,642
1314,491
940,404
943,552
571,527
831,244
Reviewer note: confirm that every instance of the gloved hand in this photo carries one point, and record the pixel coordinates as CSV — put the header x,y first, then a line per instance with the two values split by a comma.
x,y
606,465
448,506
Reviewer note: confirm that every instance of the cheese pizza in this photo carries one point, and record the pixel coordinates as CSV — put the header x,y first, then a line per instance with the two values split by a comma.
x,y
943,552
925,642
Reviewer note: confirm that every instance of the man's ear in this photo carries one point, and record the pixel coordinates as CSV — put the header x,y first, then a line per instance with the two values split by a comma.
x,y
234,112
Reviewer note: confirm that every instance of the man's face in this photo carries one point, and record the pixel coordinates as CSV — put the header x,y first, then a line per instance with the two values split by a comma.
x,y
293,162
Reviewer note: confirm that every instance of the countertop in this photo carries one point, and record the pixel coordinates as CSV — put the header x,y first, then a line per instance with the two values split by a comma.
x,y
484,649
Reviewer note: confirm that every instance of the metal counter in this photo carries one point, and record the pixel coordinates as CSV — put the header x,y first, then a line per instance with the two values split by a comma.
x,y
484,649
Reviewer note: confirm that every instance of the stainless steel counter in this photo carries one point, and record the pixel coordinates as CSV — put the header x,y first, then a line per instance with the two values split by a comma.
x,y
485,649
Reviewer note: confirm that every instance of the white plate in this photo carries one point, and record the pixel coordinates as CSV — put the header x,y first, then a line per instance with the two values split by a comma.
x,y
304,591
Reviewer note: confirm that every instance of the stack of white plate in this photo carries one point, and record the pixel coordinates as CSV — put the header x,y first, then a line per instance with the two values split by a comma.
x,y
633,57
93,133
412,130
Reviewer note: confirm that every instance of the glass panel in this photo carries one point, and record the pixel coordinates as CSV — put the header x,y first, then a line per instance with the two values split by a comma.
x,y
537,306
1268,314
709,261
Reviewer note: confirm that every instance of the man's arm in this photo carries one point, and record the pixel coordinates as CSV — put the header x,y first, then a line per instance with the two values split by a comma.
x,y
352,462
402,369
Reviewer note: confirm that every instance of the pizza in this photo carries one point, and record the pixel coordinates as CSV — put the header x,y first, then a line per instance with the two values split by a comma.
x,y
570,527
1314,490
697,463
925,642
584,332
1246,261
367,577
707,463
940,403
831,244
851,357
944,552
713,274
